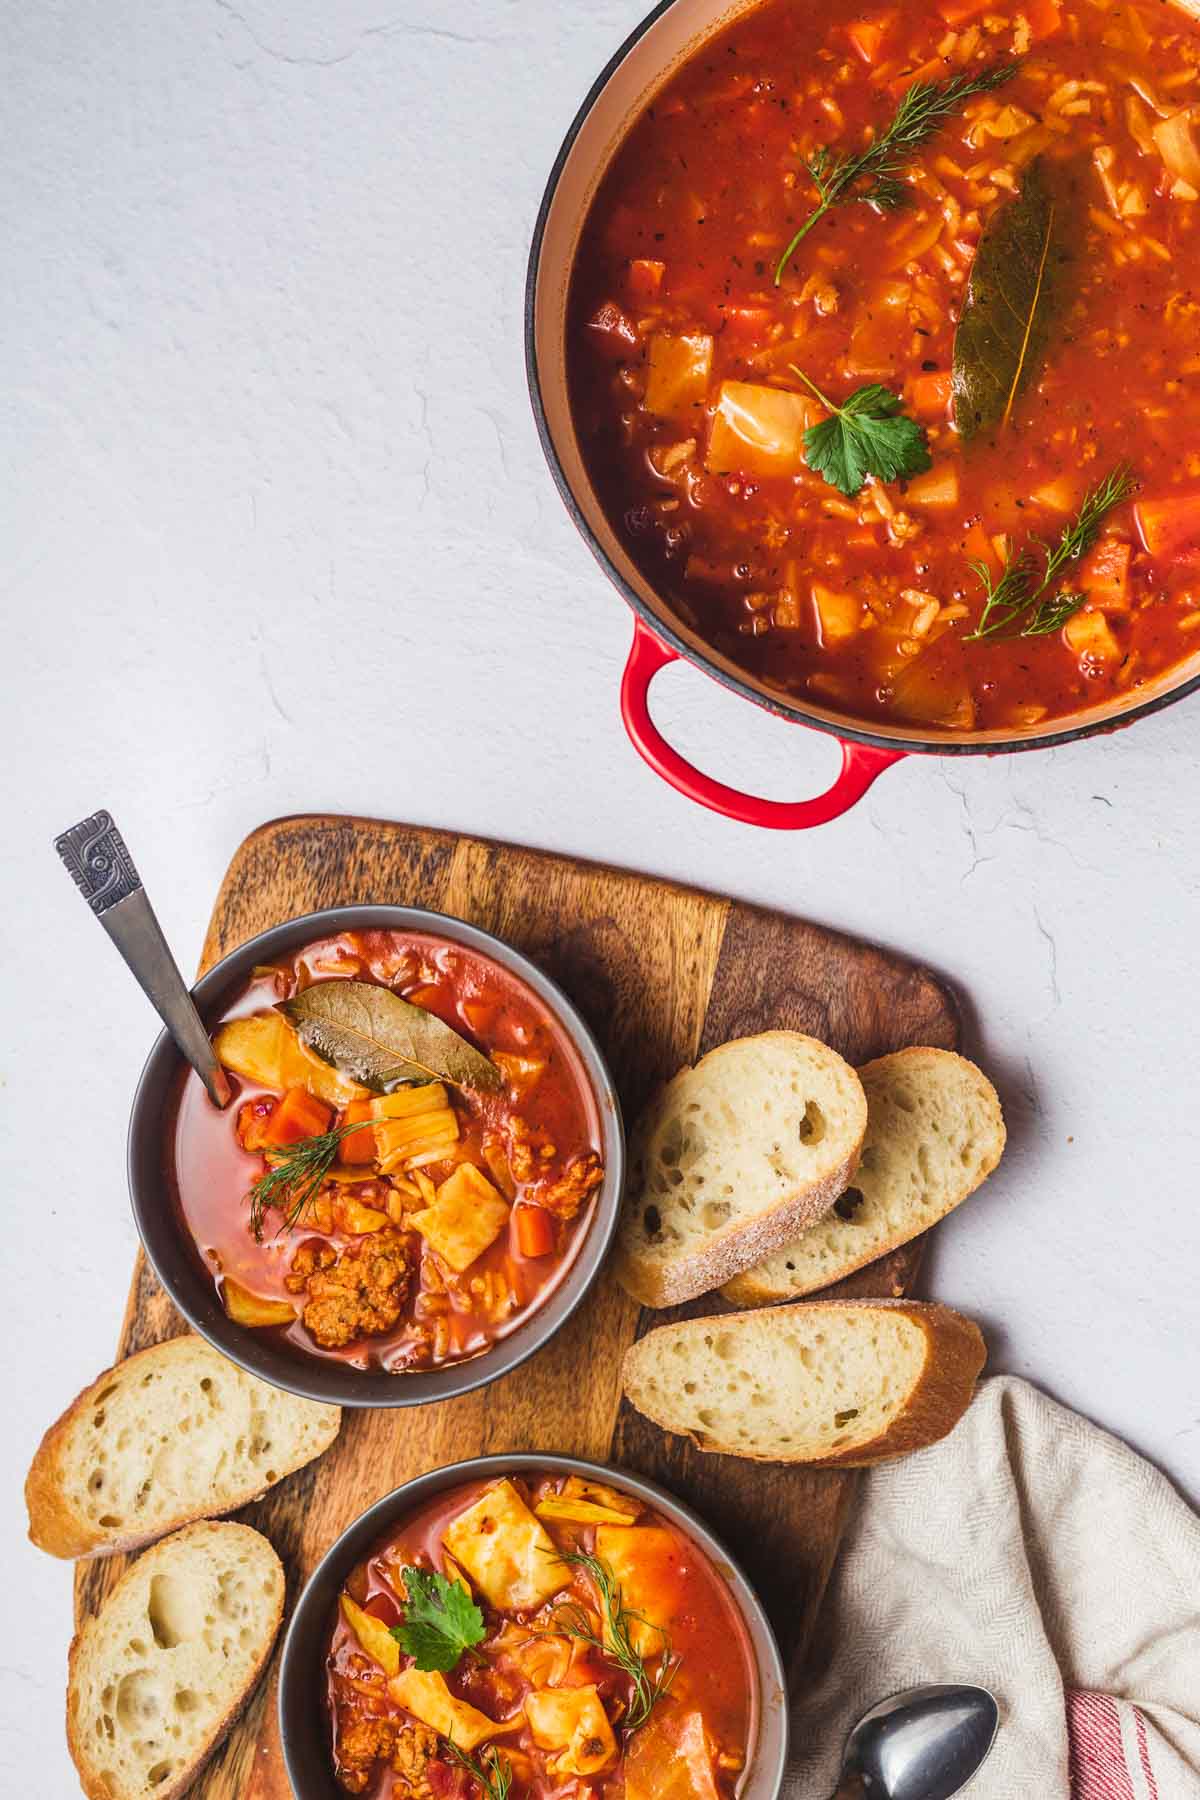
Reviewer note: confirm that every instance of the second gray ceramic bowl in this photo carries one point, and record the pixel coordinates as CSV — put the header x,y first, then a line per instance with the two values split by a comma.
x,y
177,1264
303,1718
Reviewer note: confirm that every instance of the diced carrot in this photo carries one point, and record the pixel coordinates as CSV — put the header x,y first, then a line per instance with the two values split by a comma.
x,y
747,321
930,394
427,996
977,547
645,279
866,36
957,12
1170,524
1104,575
358,1146
298,1115
930,71
535,1230
1044,17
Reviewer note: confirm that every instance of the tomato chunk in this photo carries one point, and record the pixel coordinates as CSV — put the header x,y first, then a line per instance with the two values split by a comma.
x,y
298,1115
613,331
1044,18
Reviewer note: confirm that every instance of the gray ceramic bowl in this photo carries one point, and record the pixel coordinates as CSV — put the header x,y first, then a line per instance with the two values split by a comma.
x,y
177,1264
303,1720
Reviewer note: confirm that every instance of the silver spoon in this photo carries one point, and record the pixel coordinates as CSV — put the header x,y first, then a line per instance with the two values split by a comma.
x,y
102,868
924,1744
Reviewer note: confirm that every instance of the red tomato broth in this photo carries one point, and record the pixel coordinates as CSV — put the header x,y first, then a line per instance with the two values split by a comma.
x,y
213,1174
705,1627
828,599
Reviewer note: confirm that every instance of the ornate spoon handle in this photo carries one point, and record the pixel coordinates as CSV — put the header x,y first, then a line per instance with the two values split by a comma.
x,y
102,869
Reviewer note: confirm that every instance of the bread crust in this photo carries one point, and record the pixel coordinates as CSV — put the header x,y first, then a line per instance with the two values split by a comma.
x,y
57,1527
733,1248
750,1288
955,1354
91,1781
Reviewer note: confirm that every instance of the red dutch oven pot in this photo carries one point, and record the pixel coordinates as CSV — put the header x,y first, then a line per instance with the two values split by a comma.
x,y
663,40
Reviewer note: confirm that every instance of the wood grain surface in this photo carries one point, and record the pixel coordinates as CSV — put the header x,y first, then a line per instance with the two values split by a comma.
x,y
662,973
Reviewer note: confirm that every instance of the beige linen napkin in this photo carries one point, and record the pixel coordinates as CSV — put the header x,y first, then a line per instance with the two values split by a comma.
x,y
1036,1555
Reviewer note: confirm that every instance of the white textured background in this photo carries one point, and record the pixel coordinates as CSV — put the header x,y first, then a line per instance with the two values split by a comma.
x,y
277,536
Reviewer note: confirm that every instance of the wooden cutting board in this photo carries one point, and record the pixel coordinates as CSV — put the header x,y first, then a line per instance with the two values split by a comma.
x,y
662,973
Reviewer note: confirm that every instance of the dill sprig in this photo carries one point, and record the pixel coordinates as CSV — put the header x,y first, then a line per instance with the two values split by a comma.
x,y
490,1769
297,1177
920,115
1022,602
615,1642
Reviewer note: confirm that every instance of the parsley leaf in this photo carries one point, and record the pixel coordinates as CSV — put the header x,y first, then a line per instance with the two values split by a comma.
x,y
441,1621
867,435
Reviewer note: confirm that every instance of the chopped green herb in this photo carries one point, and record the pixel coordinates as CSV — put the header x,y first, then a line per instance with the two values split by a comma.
x,y
491,1770
615,1641
921,113
440,1622
1022,602
867,435
297,1177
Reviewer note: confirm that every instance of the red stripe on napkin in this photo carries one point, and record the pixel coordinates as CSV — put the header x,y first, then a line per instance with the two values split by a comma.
x,y
1098,1767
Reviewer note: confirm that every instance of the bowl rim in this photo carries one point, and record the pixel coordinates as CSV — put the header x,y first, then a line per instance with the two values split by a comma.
x,y
172,1255
295,1709
663,626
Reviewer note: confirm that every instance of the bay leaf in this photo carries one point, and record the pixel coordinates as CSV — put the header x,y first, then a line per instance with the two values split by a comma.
x,y
383,1041
1018,288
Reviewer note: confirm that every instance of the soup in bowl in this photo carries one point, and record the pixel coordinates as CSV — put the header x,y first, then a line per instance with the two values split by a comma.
x,y
417,1176
531,1626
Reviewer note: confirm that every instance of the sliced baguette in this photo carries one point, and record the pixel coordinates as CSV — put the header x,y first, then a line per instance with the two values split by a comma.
x,y
934,1133
830,1382
172,1434
732,1159
158,1676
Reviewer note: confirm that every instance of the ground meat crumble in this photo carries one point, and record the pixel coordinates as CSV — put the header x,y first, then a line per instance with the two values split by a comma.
x,y
359,1293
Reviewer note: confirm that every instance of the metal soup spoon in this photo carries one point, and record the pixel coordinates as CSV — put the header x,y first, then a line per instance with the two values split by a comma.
x,y
924,1744
102,869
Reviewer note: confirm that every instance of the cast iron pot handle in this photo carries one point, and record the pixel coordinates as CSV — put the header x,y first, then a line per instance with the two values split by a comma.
x,y
861,763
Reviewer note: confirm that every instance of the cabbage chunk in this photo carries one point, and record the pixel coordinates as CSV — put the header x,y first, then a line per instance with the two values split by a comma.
x,y
670,1759
426,1697
678,372
509,1555
467,1215
573,1721
759,430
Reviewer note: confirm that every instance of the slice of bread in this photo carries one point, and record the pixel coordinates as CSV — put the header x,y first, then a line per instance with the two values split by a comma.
x,y
157,1678
934,1133
831,1382
172,1434
732,1159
